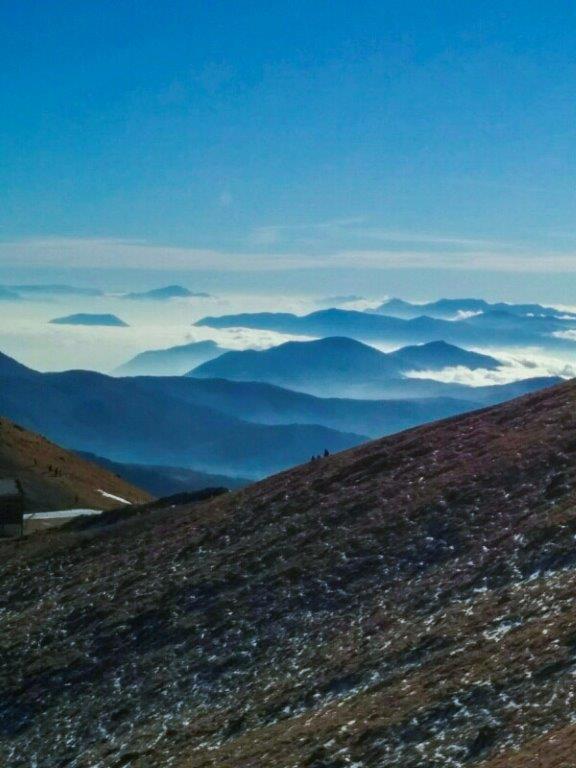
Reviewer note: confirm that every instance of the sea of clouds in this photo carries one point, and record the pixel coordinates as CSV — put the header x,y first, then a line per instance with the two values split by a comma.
x,y
525,363
27,335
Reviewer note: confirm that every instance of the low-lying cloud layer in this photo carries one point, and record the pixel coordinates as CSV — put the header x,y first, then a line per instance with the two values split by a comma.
x,y
522,364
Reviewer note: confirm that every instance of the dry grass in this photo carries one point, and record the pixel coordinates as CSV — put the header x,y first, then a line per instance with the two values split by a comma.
x,y
54,478
407,604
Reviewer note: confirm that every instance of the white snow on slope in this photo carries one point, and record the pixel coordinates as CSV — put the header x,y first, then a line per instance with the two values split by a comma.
x,y
115,498
61,514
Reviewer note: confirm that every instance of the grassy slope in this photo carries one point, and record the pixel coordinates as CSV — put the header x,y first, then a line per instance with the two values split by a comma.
x,y
406,604
71,481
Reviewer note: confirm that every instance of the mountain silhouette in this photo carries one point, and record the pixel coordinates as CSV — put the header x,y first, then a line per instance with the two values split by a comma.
x,y
337,366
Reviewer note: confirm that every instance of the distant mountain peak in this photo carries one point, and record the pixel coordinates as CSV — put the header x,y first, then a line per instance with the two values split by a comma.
x,y
84,318
166,293
435,355
338,366
173,361
8,294
395,302
440,344
334,343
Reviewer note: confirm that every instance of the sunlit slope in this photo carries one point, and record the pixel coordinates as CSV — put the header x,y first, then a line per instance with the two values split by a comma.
x,y
53,478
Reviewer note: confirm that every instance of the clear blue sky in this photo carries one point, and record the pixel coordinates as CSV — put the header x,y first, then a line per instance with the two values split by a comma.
x,y
229,134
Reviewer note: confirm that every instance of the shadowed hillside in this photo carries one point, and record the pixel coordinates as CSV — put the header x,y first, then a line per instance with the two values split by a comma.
x,y
406,603
166,481
135,421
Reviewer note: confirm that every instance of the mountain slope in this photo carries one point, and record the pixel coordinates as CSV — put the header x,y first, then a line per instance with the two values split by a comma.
x,y
408,403
10,368
166,481
125,421
55,479
85,318
329,363
337,366
234,428
166,293
269,404
438,354
174,361
406,604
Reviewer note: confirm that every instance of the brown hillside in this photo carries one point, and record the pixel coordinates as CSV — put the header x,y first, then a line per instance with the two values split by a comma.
x,y
53,478
408,604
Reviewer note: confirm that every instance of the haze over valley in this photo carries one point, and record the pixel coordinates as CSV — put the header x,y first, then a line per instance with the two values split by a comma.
x,y
247,394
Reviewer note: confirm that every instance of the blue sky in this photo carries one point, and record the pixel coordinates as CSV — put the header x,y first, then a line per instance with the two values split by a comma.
x,y
219,136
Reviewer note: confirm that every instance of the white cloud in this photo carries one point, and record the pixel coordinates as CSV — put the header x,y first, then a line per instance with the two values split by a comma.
x,y
392,236
566,335
517,365
116,252
358,229
304,233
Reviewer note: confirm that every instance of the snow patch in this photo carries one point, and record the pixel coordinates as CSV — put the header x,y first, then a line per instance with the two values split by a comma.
x,y
112,496
61,514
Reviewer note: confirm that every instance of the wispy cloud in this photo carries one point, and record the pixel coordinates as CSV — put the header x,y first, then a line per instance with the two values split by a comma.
x,y
359,229
392,236
304,233
117,252
114,253
485,260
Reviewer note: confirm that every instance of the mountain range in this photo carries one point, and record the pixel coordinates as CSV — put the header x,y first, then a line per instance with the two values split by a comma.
x,y
174,361
497,329
218,426
84,318
338,366
136,421
269,404
166,293
449,309
407,603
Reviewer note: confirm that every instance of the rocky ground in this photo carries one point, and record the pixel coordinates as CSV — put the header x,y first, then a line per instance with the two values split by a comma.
x,y
407,603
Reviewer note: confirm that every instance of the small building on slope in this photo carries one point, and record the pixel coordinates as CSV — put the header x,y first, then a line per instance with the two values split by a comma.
x,y
11,507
